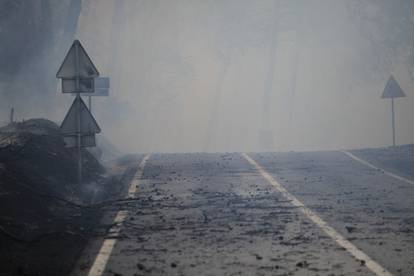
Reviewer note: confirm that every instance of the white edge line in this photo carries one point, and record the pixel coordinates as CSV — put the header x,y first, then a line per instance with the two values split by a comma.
x,y
366,163
104,253
331,232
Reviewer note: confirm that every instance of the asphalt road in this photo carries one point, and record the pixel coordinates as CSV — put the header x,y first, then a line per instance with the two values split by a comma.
x,y
217,214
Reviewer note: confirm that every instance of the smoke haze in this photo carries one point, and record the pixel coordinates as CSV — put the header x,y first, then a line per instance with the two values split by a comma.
x,y
237,75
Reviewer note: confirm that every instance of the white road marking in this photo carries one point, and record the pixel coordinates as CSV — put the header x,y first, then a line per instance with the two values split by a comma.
x,y
137,177
366,163
102,258
331,232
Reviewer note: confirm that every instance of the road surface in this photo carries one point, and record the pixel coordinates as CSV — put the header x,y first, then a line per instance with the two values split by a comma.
x,y
316,213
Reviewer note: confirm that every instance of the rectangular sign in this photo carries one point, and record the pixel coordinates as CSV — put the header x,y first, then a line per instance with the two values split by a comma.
x,y
97,93
102,82
101,88
86,141
85,86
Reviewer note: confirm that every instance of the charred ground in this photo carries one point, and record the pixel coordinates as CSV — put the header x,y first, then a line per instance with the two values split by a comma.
x,y
45,216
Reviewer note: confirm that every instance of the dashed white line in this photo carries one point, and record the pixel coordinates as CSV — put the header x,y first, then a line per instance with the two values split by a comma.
x,y
102,258
368,164
331,232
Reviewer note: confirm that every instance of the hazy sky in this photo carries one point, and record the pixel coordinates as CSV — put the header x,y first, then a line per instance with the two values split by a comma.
x,y
191,75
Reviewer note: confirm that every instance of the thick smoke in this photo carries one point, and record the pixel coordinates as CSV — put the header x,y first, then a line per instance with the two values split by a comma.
x,y
240,75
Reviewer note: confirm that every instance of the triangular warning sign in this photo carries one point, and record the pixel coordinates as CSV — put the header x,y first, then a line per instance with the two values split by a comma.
x,y
77,63
70,124
392,89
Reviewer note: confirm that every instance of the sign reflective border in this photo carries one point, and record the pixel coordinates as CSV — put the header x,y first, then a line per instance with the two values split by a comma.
x,y
79,113
77,64
392,89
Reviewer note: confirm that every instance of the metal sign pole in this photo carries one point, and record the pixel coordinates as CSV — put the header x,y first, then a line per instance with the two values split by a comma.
x,y
11,115
392,90
393,122
79,116
79,127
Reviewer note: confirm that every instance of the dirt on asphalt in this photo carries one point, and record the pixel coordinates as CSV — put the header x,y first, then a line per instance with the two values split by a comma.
x,y
199,214
213,214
